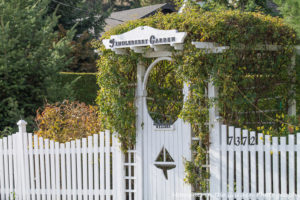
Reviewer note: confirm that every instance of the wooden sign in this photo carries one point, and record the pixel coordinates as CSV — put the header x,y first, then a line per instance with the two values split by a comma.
x,y
144,36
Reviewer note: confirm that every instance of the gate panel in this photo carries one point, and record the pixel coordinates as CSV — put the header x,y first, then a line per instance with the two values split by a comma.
x,y
165,148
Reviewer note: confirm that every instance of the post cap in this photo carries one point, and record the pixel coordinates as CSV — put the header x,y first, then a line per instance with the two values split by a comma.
x,y
22,126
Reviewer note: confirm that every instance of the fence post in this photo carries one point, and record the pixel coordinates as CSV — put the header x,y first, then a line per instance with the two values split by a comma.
x,y
118,170
214,149
20,159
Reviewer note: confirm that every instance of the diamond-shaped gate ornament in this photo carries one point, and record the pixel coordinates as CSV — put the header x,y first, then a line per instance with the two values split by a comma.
x,y
164,161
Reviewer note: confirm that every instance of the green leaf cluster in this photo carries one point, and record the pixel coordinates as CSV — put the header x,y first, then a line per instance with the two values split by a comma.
x,y
290,10
30,57
253,84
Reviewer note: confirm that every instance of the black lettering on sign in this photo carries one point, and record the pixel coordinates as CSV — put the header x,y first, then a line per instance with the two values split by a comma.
x,y
112,43
157,125
152,40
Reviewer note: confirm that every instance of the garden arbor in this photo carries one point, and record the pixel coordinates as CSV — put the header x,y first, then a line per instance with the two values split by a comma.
x,y
161,147
230,72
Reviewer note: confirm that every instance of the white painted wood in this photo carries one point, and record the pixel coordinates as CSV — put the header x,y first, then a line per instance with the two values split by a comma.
x,y
2,186
79,169
224,160
298,163
37,167
253,164
139,130
275,165
246,166
68,170
52,170
15,180
291,165
57,171
156,54
84,169
260,164
268,164
118,170
63,170
90,167
31,166
107,160
74,172
283,162
30,169
297,49
238,154
47,165
231,164
26,182
8,168
102,171
144,36
155,184
210,47
214,149
21,159
42,167
96,166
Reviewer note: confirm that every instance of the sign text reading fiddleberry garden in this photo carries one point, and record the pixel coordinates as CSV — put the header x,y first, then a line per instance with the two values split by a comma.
x,y
144,36
151,40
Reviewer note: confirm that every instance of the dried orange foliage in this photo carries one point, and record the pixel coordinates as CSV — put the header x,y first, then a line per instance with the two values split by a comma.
x,y
67,121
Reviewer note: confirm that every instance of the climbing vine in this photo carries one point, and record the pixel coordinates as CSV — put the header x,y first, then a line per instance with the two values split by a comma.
x,y
254,85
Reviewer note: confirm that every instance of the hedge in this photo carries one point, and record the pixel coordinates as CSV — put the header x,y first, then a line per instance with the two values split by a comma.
x,y
83,86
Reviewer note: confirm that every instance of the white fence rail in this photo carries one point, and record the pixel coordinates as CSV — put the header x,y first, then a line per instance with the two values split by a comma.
x,y
247,165
34,168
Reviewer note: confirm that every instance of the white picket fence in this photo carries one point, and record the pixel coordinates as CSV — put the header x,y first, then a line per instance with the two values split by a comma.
x,y
247,165
243,165
36,168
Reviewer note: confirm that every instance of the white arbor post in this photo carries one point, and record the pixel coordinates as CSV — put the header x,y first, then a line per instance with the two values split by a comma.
x,y
20,174
214,148
139,129
292,102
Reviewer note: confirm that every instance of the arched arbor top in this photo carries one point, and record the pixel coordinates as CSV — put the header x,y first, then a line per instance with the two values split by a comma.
x,y
153,43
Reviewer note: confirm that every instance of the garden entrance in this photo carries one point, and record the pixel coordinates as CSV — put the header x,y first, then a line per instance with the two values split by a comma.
x,y
162,146
165,146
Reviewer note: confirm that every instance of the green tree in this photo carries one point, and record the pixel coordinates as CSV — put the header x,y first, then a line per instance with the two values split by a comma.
x,y
87,17
85,14
30,57
290,10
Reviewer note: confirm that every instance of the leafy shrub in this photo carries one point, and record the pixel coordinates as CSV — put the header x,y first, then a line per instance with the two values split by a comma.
x,y
67,121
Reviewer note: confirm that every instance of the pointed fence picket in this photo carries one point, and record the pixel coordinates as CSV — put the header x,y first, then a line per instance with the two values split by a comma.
x,y
33,168
255,166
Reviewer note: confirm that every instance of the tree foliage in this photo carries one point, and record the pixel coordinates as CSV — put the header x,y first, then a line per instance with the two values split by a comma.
x,y
30,57
290,10
85,14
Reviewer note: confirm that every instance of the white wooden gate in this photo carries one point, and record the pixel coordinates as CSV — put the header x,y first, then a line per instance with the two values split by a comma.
x,y
164,147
